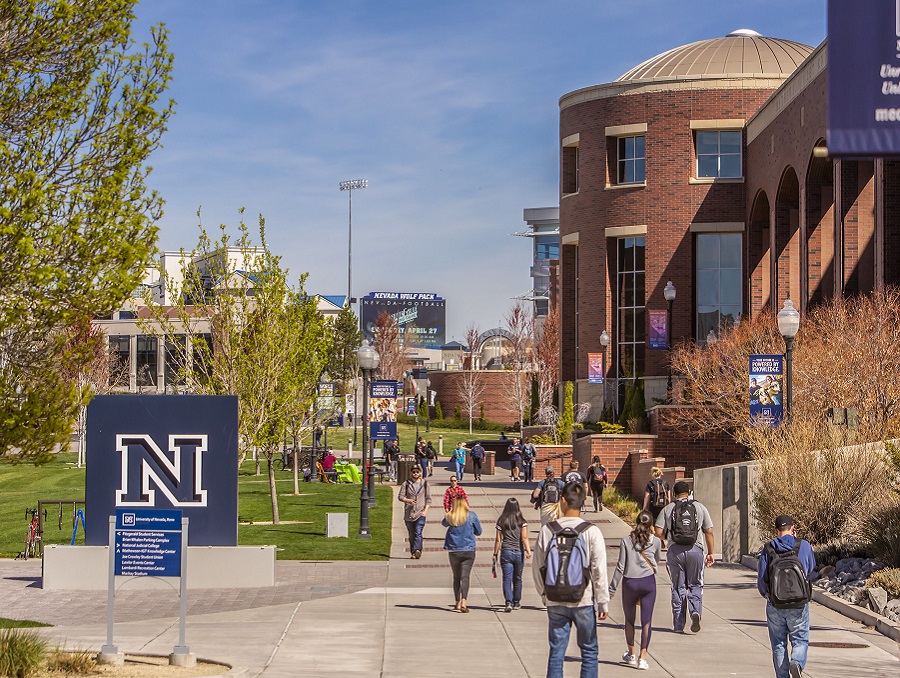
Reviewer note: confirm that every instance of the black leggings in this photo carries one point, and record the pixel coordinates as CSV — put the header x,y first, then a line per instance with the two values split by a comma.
x,y
642,589
461,563
597,494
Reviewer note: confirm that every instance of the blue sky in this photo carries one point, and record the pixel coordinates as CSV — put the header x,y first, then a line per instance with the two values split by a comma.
x,y
448,109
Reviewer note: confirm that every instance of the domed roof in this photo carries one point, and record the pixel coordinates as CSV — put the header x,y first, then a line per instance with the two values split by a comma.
x,y
743,54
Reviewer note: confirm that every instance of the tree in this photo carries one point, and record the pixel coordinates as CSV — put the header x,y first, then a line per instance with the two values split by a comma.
x,y
346,338
80,113
518,333
546,358
470,387
268,344
566,421
386,335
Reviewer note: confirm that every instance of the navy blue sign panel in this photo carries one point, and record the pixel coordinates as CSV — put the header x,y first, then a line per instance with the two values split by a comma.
x,y
382,430
163,452
148,543
863,78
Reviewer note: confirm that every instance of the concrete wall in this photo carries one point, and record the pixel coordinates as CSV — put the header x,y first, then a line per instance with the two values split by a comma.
x,y
726,492
86,568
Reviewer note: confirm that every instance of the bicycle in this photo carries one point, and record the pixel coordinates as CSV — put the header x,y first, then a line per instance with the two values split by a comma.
x,y
32,536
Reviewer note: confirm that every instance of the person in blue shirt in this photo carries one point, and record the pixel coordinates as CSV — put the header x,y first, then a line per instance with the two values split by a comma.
x,y
462,528
786,624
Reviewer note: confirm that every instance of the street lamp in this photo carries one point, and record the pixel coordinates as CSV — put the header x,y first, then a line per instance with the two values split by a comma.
x,y
788,324
350,186
604,342
427,406
368,359
669,294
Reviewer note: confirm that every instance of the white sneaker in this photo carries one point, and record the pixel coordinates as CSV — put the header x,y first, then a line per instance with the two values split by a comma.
x,y
629,659
643,665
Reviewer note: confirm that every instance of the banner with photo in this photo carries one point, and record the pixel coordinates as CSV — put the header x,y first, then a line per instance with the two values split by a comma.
x,y
659,335
382,410
595,368
766,390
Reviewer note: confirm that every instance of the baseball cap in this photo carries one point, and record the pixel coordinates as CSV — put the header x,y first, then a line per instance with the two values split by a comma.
x,y
783,521
550,469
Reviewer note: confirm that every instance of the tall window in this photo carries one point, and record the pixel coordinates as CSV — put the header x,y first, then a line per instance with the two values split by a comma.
x,y
146,360
120,352
719,155
570,169
631,160
719,282
631,295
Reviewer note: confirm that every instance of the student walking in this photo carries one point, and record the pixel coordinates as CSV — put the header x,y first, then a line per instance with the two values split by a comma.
x,y
421,457
511,547
462,528
570,576
783,580
639,556
657,494
688,524
455,490
597,482
529,454
477,460
515,458
459,460
431,456
416,494
545,496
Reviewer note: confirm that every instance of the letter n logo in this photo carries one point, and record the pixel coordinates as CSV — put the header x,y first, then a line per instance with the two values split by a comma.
x,y
179,478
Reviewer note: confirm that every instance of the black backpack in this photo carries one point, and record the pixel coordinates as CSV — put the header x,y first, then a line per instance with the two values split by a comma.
x,y
657,494
430,453
566,571
788,586
685,527
550,492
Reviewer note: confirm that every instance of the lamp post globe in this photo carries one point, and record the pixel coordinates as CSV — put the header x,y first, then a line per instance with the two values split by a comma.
x,y
368,359
788,324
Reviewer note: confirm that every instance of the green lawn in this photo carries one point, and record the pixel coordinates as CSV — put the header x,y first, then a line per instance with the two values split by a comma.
x,y
21,486
20,623
451,436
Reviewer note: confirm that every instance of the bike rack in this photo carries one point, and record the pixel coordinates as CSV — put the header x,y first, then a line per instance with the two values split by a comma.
x,y
59,504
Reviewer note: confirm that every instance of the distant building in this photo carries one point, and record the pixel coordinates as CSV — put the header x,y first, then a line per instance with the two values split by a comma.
x,y
543,229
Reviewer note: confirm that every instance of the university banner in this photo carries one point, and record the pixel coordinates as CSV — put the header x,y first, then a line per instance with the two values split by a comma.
x,y
595,368
382,410
863,78
659,335
766,389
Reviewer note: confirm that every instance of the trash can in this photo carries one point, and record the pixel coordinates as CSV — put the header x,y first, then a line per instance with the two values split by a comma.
x,y
404,465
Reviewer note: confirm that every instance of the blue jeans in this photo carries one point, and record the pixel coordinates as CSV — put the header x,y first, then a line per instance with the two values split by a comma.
x,y
784,625
459,470
415,527
511,564
561,620
423,463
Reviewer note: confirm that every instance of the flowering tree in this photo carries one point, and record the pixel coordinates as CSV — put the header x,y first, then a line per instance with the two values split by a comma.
x,y
470,387
546,357
518,347
386,335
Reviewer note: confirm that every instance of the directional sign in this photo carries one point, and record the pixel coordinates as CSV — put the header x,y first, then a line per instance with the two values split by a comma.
x,y
148,543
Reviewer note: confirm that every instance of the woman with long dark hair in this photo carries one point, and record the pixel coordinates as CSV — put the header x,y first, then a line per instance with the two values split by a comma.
x,y
597,481
511,547
639,555
462,528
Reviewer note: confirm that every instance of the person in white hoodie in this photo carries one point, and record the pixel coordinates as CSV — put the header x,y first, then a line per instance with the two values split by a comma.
x,y
594,602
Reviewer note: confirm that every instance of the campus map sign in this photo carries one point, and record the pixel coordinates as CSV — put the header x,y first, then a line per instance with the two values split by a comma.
x,y
148,543
863,78
163,452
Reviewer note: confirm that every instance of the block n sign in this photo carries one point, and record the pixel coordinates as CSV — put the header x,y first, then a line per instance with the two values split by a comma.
x,y
163,452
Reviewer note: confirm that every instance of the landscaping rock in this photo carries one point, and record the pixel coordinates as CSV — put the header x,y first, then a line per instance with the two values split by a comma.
x,y
826,571
878,598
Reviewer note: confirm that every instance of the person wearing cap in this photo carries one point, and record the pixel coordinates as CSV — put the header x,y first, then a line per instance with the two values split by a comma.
x,y
416,494
786,624
549,509
685,562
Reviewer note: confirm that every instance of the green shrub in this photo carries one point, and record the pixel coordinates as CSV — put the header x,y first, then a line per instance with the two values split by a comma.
x,y
606,427
543,439
457,412
566,420
438,412
481,413
881,534
621,504
21,653
73,662
888,579
634,414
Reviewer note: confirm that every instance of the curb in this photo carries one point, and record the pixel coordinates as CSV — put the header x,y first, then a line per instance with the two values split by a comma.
x,y
883,625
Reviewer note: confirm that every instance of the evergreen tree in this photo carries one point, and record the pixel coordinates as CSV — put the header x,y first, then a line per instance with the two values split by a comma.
x,y
566,421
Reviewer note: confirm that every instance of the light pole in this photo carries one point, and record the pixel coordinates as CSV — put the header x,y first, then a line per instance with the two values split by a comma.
x,y
788,324
350,186
604,342
669,294
368,360
428,406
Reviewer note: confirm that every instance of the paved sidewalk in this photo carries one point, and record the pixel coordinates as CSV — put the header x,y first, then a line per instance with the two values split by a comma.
x,y
397,618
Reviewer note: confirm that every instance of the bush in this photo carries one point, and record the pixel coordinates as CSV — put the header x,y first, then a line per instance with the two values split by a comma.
x,y
438,412
457,412
606,427
880,533
21,653
888,579
76,661
566,421
543,439
622,505
634,414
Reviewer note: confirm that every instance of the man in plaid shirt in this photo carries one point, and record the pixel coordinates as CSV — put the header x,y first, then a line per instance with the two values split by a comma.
x,y
452,492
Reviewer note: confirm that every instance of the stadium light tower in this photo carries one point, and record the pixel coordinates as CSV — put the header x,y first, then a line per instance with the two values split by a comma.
x,y
350,186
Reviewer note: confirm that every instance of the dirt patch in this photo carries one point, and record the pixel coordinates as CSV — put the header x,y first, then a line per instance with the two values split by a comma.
x,y
139,666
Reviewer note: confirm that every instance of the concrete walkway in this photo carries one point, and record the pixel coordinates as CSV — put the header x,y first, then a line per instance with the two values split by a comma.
x,y
396,619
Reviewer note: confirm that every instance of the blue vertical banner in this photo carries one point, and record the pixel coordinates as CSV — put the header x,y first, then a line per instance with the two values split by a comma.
x,y
382,410
766,390
863,78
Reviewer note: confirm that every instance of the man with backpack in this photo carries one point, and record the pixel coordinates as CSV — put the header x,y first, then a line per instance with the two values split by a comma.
x,y
529,454
783,580
546,496
687,524
570,576
477,460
